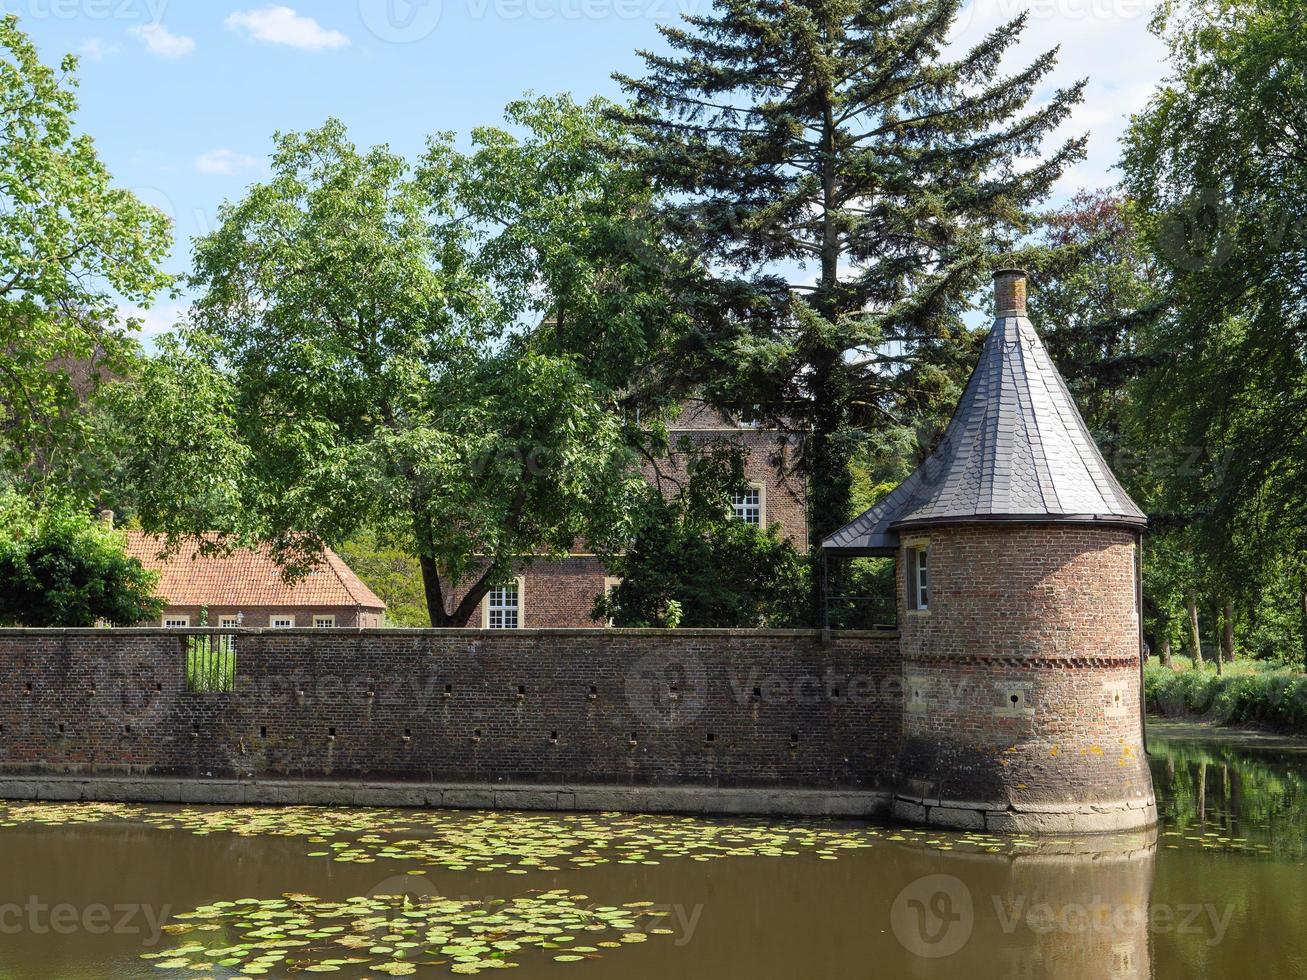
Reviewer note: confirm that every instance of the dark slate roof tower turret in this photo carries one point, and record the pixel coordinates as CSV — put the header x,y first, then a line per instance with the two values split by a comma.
x,y
1018,608
1016,449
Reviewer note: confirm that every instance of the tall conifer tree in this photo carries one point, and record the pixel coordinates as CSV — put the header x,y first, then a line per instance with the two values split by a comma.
x,y
835,136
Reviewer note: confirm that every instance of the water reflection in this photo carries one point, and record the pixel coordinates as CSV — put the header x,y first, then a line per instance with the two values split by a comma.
x,y
1218,890
1067,908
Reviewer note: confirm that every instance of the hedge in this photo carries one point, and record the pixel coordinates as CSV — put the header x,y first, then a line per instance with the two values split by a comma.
x,y
1275,699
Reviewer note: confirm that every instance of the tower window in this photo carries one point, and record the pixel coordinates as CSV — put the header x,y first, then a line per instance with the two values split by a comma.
x,y
918,576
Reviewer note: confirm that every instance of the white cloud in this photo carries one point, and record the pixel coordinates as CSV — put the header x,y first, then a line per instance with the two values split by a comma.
x,y
1106,41
224,162
94,48
158,319
282,25
163,42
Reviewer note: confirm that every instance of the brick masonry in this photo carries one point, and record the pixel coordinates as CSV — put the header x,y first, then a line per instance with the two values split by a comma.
x,y
1013,703
614,707
1022,685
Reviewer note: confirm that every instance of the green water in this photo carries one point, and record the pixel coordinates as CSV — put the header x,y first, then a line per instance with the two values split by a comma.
x,y
1219,890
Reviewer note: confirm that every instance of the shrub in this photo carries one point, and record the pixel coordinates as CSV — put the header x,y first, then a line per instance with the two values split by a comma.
x,y
1271,698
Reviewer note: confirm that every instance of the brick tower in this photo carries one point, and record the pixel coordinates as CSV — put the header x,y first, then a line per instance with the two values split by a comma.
x,y
1018,595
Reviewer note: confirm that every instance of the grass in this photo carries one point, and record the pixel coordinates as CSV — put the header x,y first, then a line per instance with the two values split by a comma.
x,y
210,663
1248,692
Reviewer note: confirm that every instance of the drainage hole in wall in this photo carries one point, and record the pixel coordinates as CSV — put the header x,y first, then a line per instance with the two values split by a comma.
x,y
521,690
712,737
263,731
757,694
331,734
594,692
1016,699
476,734
553,737
794,738
449,689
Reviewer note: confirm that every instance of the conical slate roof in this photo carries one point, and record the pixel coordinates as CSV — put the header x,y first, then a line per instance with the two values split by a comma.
x,y
1016,449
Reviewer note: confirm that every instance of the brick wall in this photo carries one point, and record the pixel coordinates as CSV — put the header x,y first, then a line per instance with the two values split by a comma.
x,y
628,707
1022,680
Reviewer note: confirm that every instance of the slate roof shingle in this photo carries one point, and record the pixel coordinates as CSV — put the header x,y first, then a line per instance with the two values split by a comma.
x,y
246,577
1016,449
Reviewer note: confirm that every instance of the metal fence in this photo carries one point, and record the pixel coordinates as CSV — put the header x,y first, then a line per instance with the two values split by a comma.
x,y
211,662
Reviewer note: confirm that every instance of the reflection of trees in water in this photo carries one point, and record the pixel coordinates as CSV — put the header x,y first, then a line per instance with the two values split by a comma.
x,y
1219,788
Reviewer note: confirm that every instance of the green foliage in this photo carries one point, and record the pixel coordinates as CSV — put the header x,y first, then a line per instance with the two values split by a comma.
x,y
693,564
391,573
1271,698
440,355
59,567
1216,164
835,136
72,246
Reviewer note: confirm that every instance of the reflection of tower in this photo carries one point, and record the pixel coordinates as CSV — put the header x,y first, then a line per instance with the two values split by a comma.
x,y
1065,909
1018,606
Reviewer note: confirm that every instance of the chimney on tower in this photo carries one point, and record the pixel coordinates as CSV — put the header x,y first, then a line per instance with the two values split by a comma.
x,y
1009,292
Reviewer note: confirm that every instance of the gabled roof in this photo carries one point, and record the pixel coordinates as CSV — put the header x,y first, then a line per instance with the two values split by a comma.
x,y
1016,450
246,577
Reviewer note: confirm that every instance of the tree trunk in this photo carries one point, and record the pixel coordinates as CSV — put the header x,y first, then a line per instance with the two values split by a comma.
x,y
1201,794
1166,651
1302,598
1227,634
431,589
441,616
1195,638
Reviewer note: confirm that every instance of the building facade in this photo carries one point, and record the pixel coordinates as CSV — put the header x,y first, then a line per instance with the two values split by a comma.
x,y
561,593
246,588
1019,607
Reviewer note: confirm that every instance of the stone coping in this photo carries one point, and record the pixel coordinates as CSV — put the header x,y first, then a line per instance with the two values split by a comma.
x,y
692,800
417,632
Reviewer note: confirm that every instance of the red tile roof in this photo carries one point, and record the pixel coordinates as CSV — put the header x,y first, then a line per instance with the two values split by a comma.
x,y
246,577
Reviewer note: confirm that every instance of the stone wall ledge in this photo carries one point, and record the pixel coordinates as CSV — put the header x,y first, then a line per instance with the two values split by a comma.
x,y
594,631
1035,818
692,800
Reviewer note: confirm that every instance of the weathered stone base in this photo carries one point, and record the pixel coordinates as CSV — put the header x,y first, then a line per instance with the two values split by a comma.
x,y
1029,818
697,800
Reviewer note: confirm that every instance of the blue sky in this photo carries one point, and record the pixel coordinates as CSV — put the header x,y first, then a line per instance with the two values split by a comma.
x,y
183,97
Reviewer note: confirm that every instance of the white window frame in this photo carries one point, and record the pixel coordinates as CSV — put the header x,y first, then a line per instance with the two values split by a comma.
x,y
281,622
742,505
176,622
493,606
916,576
324,622
227,644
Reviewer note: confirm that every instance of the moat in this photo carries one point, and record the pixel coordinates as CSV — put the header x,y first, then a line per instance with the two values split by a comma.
x,y
126,891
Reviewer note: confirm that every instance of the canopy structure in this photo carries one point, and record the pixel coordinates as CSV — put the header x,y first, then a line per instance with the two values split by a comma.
x,y
1016,449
